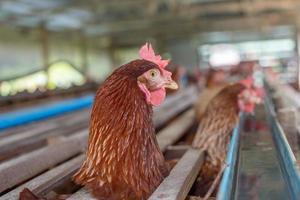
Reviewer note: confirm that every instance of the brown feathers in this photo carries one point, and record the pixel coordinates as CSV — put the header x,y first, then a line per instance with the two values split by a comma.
x,y
123,158
214,133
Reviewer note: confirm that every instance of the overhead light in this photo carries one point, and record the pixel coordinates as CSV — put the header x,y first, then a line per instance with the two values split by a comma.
x,y
224,55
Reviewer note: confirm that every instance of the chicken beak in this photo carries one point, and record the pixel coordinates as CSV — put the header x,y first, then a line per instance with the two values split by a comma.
x,y
171,85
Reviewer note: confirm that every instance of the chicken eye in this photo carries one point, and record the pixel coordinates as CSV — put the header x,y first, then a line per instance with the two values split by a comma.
x,y
153,73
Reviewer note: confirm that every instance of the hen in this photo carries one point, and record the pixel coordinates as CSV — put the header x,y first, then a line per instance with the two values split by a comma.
x,y
215,82
123,159
214,132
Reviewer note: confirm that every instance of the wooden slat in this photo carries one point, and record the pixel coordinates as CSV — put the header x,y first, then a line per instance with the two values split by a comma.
x,y
82,194
165,113
28,141
15,137
22,142
24,167
175,97
45,181
176,129
176,151
177,185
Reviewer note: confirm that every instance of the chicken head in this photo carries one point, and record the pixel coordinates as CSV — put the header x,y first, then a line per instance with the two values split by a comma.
x,y
154,82
250,96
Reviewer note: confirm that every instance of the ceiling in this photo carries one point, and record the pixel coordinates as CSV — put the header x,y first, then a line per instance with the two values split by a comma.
x,y
133,19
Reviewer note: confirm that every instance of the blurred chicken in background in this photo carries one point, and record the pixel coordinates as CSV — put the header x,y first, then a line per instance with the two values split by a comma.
x,y
215,82
179,75
214,132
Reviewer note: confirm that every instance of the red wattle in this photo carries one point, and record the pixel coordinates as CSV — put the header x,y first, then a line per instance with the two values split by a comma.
x,y
157,96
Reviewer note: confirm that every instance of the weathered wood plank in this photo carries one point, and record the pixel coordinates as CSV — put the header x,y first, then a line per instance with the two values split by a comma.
x,y
45,181
24,167
23,143
81,194
176,129
176,151
166,113
177,185
175,97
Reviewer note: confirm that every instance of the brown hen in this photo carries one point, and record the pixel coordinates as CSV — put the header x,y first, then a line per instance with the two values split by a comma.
x,y
123,160
214,132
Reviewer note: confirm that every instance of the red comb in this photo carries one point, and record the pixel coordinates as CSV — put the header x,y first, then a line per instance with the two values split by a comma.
x,y
248,82
147,53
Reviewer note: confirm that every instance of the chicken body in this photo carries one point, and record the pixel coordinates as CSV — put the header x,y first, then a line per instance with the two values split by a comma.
x,y
123,161
214,133
214,84
204,98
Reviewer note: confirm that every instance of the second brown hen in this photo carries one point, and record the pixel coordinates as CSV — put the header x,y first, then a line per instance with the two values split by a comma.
x,y
214,132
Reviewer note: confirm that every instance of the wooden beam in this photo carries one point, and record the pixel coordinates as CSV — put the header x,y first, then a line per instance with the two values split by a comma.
x,y
82,194
166,112
36,136
175,151
173,132
31,164
178,184
43,182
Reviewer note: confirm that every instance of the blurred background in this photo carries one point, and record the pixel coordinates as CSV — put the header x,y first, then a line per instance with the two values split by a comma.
x,y
58,44
54,54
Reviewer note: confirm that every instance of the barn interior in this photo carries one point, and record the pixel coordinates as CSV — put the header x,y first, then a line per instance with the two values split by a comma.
x,y
56,55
